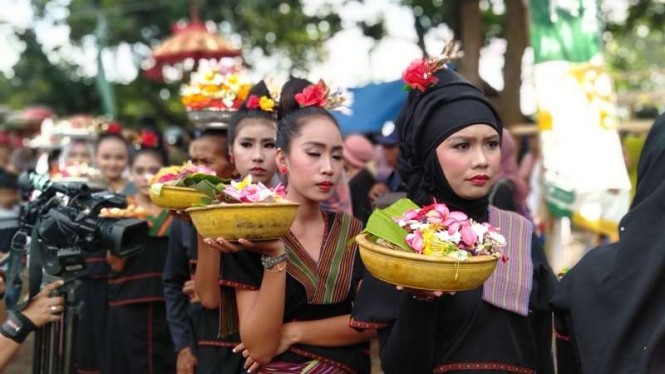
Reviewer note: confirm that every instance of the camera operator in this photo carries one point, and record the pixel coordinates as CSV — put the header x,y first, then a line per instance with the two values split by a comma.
x,y
41,310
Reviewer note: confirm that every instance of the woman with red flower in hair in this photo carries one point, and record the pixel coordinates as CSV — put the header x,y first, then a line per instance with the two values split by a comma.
x,y
294,296
450,152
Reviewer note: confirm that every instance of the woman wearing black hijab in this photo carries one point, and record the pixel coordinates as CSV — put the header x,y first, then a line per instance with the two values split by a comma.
x,y
450,152
610,308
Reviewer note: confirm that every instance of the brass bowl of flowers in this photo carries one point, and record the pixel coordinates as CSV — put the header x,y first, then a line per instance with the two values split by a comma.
x,y
424,272
251,221
175,198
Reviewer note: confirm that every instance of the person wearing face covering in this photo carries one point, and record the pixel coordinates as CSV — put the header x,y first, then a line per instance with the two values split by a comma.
x,y
610,307
449,152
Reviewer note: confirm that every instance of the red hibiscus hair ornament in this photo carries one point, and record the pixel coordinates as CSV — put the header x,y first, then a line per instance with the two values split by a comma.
x,y
253,102
114,128
319,94
420,73
313,95
149,139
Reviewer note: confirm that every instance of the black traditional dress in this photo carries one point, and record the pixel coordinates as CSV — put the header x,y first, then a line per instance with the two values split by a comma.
x,y
314,291
180,266
610,307
504,326
139,340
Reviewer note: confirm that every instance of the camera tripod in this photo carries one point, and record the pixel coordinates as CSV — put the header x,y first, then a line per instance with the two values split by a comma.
x,y
55,348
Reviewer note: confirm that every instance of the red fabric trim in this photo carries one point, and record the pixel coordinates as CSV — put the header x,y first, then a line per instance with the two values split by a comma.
x,y
150,368
560,336
242,286
95,259
325,360
136,301
215,343
366,325
483,366
134,277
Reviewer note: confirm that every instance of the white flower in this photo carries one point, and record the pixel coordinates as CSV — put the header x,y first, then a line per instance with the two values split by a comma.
x,y
495,236
479,230
454,238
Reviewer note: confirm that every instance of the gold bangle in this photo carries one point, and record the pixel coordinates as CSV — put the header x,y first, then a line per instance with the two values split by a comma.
x,y
278,268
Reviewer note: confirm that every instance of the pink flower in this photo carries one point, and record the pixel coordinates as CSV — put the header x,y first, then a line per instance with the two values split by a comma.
x,y
415,241
442,209
468,236
410,214
491,228
434,217
280,190
168,178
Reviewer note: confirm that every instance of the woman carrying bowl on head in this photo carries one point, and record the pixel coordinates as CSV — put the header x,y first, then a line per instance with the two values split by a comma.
x,y
251,138
139,340
450,152
294,295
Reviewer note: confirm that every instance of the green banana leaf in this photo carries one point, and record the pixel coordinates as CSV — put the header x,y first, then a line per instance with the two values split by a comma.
x,y
382,223
209,189
194,179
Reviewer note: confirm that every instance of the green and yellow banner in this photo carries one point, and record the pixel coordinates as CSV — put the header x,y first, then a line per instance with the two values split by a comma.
x,y
584,170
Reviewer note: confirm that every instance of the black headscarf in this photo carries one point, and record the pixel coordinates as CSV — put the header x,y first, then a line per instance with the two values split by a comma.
x,y
616,294
425,121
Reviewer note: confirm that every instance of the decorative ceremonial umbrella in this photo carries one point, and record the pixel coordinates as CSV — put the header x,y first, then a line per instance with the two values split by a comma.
x,y
193,40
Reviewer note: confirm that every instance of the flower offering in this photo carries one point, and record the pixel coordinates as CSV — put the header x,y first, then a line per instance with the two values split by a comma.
x,y
216,88
430,247
246,192
177,175
435,230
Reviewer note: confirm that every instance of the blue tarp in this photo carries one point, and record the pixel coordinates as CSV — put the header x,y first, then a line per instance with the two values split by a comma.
x,y
372,106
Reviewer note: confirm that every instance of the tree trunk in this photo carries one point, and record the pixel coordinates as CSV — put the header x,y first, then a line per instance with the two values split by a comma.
x,y
470,26
420,31
516,31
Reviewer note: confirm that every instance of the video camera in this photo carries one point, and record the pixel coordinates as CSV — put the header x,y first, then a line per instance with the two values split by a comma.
x,y
65,220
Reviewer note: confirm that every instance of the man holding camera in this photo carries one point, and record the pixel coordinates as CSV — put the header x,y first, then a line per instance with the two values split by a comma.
x,y
41,310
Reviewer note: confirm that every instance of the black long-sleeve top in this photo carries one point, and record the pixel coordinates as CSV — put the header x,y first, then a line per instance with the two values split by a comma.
x,y
179,267
459,333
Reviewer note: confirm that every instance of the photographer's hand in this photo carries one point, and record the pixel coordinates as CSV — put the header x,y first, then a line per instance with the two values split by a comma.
x,y
45,308
39,312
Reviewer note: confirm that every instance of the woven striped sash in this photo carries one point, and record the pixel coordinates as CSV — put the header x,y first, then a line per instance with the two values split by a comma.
x,y
510,285
329,280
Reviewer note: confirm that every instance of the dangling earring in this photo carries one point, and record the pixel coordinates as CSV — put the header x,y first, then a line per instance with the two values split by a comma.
x,y
282,169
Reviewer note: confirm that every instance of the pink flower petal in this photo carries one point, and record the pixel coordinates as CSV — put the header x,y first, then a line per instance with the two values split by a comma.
x,y
458,216
453,227
410,214
468,236
434,217
442,209
415,241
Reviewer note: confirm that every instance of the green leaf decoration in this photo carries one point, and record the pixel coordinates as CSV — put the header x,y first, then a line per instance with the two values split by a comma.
x,y
194,179
381,223
206,200
207,188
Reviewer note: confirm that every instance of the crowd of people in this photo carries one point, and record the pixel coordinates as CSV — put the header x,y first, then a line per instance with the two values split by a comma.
x,y
306,304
